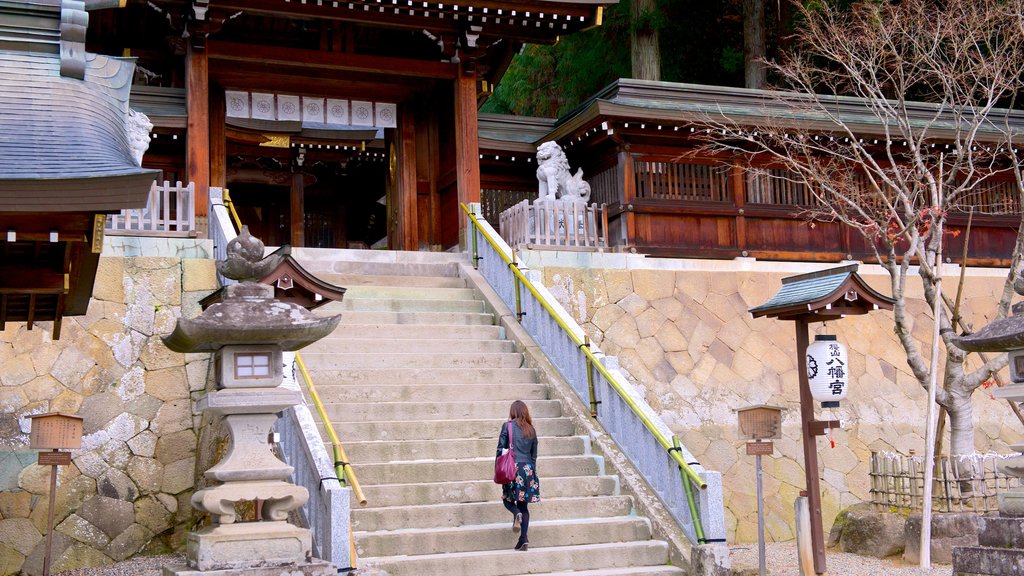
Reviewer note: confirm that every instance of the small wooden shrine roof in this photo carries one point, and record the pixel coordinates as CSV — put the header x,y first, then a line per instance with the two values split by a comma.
x,y
292,283
832,292
668,102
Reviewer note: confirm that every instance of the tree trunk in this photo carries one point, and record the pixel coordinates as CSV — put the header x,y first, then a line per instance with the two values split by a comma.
x,y
644,41
753,44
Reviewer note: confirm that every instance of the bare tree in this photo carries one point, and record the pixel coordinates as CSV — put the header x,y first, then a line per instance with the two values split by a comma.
x,y
891,116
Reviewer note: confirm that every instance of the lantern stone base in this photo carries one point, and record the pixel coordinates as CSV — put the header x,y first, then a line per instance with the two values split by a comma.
x,y
248,546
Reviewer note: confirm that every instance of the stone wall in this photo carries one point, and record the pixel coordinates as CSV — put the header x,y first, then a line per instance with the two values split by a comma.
x,y
128,488
682,330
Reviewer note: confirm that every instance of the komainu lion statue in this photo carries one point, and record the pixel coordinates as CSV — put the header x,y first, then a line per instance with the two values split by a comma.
x,y
554,178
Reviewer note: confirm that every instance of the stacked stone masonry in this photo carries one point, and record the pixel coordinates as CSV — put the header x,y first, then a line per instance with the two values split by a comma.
x,y
688,342
128,488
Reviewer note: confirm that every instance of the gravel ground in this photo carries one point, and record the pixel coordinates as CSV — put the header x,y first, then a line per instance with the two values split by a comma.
x,y
139,566
780,559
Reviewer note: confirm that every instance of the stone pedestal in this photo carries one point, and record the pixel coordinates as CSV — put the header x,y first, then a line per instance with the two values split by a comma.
x,y
1000,548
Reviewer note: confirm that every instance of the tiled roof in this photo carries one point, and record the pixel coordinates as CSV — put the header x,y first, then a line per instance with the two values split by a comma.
x,y
64,142
806,290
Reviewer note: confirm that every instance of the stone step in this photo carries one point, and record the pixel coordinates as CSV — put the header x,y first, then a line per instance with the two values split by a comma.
x,y
500,537
361,293
388,451
978,560
368,345
402,305
384,376
425,410
1001,532
382,317
630,571
309,257
335,393
424,268
372,474
383,495
538,560
425,361
412,331
474,513
429,431
350,281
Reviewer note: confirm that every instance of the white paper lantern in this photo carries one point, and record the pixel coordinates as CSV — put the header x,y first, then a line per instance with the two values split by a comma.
x,y
827,370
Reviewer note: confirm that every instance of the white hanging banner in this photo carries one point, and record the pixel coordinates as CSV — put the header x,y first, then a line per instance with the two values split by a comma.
x,y
337,111
313,110
362,113
289,108
236,103
827,370
263,107
387,115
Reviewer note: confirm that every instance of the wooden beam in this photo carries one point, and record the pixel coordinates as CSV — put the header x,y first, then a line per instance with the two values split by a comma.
x,y
504,26
467,155
251,76
301,59
810,443
197,137
218,139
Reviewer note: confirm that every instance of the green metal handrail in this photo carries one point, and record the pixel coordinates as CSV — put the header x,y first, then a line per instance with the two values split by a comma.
x,y
671,446
342,467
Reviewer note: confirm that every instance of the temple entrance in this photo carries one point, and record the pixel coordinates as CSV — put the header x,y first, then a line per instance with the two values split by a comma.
x,y
338,193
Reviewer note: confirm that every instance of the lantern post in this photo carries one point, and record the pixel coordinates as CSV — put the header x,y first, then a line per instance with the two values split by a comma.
x,y
820,296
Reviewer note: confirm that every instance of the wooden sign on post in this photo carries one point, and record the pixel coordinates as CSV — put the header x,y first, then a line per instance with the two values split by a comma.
x,y
54,431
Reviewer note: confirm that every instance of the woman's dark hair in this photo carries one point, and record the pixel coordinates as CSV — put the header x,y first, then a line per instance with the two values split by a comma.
x,y
520,414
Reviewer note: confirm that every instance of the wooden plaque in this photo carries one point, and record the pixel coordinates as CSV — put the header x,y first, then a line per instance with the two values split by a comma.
x,y
760,448
54,458
55,431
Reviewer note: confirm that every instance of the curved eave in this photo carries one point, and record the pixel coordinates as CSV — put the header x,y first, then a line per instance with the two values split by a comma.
x,y
999,336
204,335
109,193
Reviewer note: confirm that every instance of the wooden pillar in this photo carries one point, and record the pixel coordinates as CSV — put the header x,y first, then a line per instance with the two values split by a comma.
x,y
628,195
218,139
739,197
298,209
197,137
405,185
810,449
467,148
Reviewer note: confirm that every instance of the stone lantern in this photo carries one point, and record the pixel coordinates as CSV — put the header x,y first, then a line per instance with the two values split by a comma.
x,y
1001,545
248,330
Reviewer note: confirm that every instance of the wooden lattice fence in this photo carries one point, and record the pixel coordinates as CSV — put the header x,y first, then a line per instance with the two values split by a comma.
x,y
968,484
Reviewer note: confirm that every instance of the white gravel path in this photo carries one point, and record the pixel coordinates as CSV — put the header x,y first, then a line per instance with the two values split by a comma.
x,y
780,559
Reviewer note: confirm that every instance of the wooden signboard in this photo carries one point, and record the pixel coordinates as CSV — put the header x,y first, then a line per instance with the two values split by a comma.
x,y
55,430
760,448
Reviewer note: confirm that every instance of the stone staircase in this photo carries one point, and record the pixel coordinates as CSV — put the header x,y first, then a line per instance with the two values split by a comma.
x,y
417,381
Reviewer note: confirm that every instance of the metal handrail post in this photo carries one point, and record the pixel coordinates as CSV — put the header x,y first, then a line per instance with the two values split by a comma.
x,y
516,273
590,378
698,527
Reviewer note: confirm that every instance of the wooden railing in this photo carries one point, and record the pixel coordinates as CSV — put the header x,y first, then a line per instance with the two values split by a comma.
x,y
555,225
170,211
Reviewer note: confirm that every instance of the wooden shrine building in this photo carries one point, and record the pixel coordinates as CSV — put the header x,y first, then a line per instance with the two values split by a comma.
x,y
69,155
332,123
665,196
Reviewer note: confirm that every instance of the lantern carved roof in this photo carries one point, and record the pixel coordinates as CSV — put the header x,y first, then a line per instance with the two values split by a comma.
x,y
823,294
1000,335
